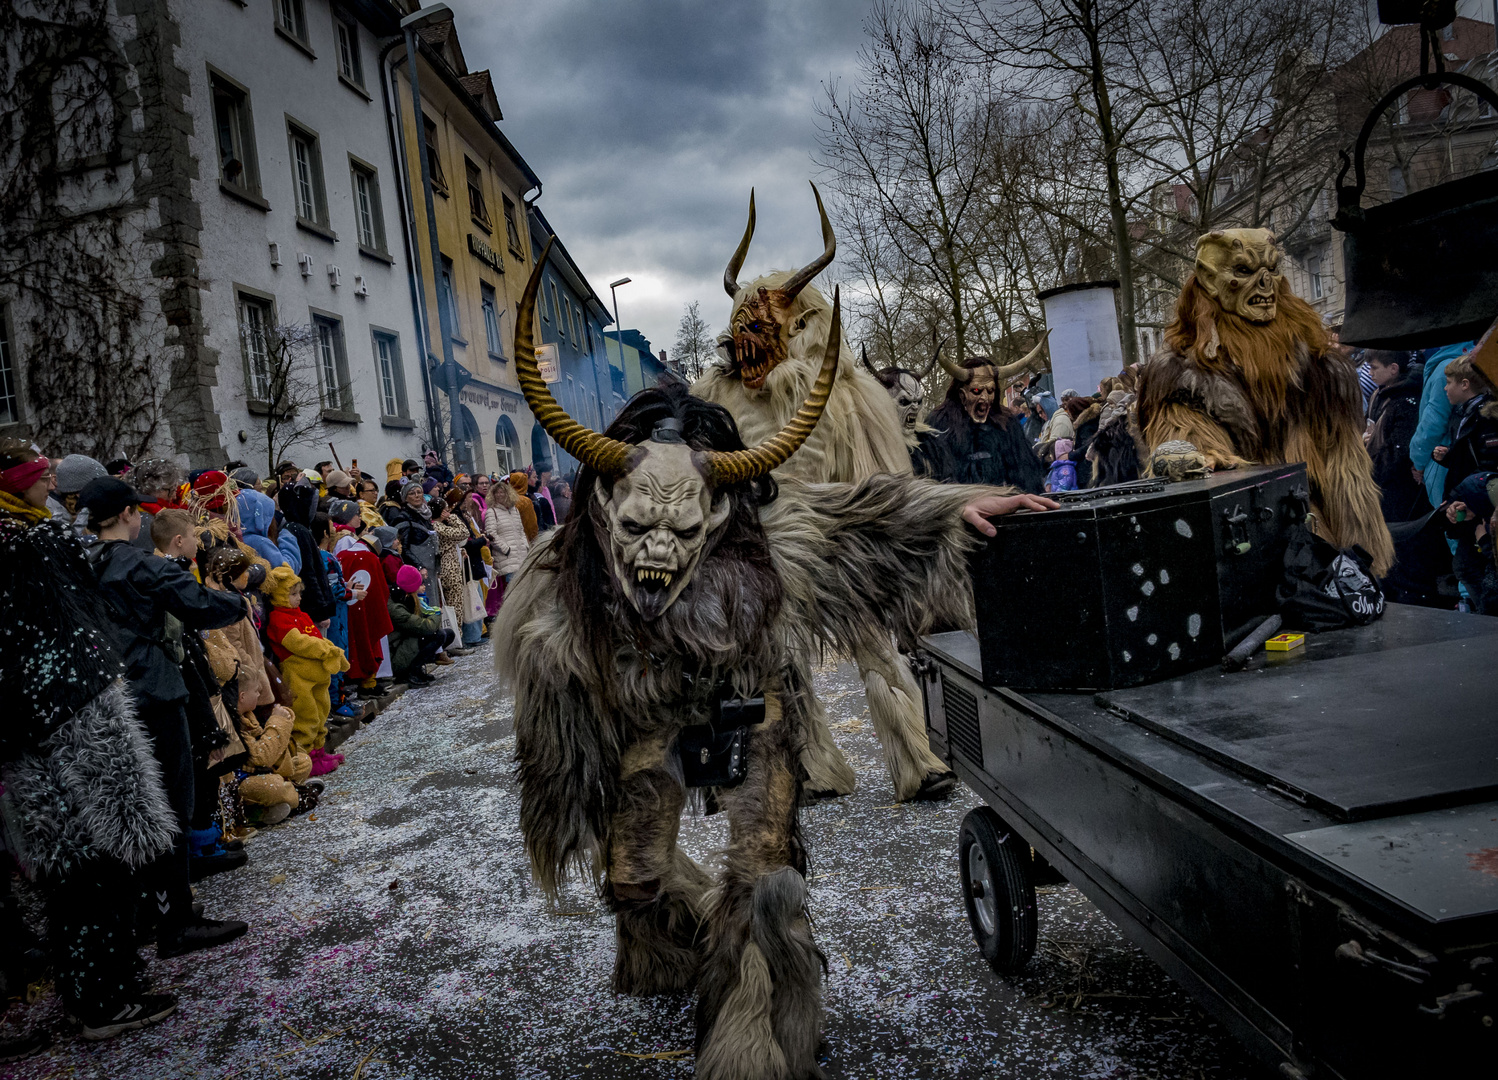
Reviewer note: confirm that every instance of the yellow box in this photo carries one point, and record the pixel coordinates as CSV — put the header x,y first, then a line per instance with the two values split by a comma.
x,y
1285,642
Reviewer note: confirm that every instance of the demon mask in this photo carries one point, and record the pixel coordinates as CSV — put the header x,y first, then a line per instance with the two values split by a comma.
x,y
659,502
1240,269
980,384
768,316
905,387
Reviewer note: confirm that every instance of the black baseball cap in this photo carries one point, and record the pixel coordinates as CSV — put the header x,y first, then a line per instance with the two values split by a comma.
x,y
107,497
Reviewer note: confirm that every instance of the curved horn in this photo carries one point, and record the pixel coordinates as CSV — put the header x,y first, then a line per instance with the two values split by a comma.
x,y
731,275
733,466
608,456
1023,364
863,354
802,277
959,373
936,355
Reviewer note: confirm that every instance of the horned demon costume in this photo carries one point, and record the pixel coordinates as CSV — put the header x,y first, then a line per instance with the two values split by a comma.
x,y
779,331
687,578
1248,375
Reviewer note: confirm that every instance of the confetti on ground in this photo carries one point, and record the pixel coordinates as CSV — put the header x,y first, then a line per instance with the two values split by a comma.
x,y
342,974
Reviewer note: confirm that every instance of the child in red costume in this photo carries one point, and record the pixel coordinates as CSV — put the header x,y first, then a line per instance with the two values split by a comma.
x,y
308,662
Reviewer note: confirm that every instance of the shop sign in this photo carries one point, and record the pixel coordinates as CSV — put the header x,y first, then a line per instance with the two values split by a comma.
x,y
480,250
549,363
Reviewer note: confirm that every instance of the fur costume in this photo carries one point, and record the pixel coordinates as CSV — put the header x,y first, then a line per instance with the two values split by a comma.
x,y
1248,375
780,327
308,661
685,574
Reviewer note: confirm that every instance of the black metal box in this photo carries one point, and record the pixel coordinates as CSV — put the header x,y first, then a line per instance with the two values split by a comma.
x,y
1127,585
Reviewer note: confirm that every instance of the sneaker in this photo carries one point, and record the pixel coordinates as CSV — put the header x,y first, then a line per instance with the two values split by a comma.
x,y
308,795
24,1046
217,861
143,1011
197,934
349,710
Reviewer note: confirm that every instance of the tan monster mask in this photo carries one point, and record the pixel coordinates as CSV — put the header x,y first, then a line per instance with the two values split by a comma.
x,y
1239,268
659,501
762,323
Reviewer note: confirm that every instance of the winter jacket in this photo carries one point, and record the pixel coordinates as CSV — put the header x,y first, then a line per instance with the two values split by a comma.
x,y
1062,476
408,628
1086,426
79,777
244,641
1394,413
546,512
1435,411
1059,426
417,536
370,515
507,542
451,535
1473,445
299,506
256,514
270,747
528,520
142,591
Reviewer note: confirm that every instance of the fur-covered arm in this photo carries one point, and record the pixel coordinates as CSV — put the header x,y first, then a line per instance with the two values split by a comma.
x,y
1180,399
566,758
859,561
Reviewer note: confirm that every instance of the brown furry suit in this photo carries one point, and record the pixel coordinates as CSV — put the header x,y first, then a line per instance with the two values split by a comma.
x,y
1243,392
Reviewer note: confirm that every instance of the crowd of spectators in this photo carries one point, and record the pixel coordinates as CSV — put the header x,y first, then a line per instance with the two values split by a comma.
x,y
248,625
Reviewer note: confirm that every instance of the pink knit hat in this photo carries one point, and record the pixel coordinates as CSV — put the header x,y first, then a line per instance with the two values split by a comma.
x,y
408,579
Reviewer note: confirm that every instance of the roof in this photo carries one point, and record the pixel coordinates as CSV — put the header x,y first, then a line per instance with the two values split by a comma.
x,y
635,340
454,81
480,87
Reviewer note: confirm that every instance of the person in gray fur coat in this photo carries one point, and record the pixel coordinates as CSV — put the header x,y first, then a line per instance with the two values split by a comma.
x,y
83,805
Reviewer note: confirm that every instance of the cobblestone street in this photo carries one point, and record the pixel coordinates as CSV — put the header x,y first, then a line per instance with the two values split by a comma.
x,y
399,935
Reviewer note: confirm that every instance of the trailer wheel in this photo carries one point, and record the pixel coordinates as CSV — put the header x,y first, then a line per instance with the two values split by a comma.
x,y
1000,894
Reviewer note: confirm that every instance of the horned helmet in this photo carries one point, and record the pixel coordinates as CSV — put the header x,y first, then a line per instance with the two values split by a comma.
x,y
978,383
661,504
1240,269
762,324
905,386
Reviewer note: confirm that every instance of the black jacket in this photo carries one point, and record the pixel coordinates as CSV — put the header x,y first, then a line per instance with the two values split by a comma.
x,y
142,591
1394,413
957,451
1473,440
299,505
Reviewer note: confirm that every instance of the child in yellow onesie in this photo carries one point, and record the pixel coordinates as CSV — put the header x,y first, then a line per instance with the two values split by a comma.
x,y
308,662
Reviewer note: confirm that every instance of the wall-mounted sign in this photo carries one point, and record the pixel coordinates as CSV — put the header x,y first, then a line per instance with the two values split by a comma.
x,y
480,250
549,363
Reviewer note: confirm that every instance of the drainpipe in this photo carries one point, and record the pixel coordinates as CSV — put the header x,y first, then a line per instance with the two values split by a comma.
x,y
414,281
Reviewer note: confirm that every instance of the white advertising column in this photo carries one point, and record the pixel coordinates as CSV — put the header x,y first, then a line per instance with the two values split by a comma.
x,y
1084,345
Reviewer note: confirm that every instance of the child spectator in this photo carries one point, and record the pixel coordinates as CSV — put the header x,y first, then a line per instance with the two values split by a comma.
x,y
417,635
335,629
1471,441
1393,416
1062,475
369,615
308,662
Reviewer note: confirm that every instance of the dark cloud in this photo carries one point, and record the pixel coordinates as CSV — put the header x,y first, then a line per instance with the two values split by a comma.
x,y
648,122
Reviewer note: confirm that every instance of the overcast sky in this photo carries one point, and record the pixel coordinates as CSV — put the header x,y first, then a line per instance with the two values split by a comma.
x,y
649,120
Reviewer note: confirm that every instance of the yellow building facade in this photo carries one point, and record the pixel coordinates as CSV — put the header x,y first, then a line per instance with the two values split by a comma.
x,y
479,184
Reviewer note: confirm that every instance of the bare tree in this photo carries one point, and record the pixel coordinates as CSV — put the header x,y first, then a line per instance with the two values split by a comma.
x,y
694,346
284,387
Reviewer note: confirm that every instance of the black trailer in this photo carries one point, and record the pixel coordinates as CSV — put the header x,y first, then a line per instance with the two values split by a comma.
x,y
1309,846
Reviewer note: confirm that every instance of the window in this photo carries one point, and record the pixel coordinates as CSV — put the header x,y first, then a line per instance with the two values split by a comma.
x,y
512,231
346,34
476,205
332,365
291,17
577,327
10,399
306,175
449,298
1313,268
235,133
434,159
367,214
392,379
568,322
491,322
255,324
1398,188
556,309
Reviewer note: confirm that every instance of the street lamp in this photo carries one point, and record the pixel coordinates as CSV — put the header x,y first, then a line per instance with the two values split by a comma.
x,y
417,20
619,326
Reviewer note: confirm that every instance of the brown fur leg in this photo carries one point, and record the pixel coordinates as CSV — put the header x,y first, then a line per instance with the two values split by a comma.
x,y
1177,421
1346,499
759,1009
895,707
827,770
655,890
